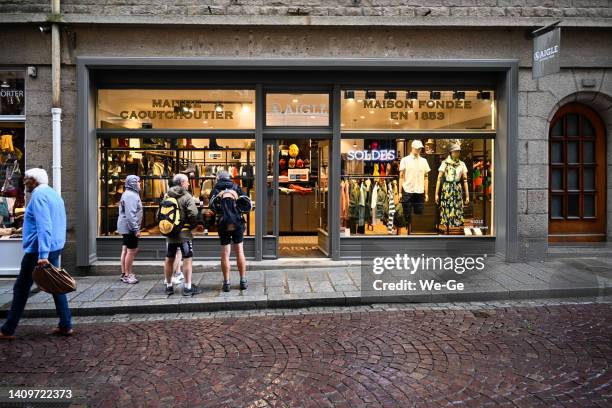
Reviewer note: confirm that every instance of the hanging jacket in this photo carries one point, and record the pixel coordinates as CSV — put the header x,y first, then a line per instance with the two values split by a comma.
x,y
391,216
353,210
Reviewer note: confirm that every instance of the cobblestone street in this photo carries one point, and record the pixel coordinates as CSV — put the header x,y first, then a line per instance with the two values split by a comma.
x,y
525,354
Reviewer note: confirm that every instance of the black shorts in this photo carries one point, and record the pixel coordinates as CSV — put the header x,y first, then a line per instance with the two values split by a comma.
x,y
130,241
227,237
412,202
186,248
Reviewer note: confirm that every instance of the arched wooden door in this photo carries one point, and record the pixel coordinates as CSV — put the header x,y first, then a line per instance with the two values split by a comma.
x,y
577,176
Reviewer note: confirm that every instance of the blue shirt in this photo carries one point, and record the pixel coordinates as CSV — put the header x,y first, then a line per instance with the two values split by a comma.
x,y
44,225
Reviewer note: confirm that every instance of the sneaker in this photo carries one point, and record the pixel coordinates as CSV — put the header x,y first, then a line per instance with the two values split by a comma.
x,y
195,290
226,287
62,332
6,336
131,279
243,284
178,277
123,278
169,290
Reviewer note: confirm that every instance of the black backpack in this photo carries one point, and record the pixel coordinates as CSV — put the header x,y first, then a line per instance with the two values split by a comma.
x,y
230,218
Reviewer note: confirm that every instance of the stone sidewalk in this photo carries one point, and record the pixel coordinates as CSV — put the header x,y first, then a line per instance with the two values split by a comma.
x,y
329,286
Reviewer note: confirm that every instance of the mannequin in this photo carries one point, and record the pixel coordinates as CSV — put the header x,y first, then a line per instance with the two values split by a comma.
x,y
452,177
413,176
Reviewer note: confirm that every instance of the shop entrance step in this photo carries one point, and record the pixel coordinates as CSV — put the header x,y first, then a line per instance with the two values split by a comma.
x,y
106,268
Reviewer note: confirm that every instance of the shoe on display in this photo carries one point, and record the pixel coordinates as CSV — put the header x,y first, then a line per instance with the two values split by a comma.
x,y
178,277
169,290
194,290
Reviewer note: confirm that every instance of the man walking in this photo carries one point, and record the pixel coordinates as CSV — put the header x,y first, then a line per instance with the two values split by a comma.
x,y
230,222
183,239
128,225
44,236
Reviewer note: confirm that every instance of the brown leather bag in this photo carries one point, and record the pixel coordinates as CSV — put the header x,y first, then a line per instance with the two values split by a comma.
x,y
54,280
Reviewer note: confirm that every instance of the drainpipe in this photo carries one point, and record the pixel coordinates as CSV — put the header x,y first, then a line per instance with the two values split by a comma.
x,y
56,109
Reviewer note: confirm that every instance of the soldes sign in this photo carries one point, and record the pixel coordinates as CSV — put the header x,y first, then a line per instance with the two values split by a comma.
x,y
374,155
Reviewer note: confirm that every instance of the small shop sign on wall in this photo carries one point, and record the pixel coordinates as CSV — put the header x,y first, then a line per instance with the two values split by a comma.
x,y
546,51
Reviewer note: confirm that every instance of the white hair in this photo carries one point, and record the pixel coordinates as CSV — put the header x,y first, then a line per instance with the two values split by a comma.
x,y
223,175
38,174
179,178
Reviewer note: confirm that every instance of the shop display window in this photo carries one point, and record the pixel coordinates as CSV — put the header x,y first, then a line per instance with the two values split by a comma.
x,y
175,109
12,93
12,168
157,160
436,110
375,199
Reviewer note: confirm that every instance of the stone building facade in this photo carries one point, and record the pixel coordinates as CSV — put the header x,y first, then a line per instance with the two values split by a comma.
x,y
291,29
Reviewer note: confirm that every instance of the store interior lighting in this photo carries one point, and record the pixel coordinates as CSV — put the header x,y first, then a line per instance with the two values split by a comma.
x,y
391,95
349,94
459,95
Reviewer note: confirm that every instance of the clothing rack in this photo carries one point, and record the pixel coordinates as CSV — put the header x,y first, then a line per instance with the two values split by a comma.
x,y
356,176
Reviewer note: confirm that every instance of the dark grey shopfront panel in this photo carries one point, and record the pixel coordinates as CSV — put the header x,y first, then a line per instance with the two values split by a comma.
x,y
154,249
367,248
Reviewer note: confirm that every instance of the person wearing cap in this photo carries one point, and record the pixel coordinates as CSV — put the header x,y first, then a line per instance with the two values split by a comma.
x,y
451,175
413,176
128,225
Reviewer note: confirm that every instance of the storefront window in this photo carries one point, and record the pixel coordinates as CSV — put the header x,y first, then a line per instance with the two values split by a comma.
x,y
12,93
297,109
12,167
418,110
157,160
386,189
175,109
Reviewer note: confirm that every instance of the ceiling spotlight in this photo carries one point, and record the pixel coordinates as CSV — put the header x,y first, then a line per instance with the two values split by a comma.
x,y
459,95
484,95
219,107
391,95
44,28
245,108
370,94
414,95
434,95
349,94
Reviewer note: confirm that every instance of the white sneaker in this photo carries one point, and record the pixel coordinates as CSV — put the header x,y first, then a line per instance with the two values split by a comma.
x,y
131,279
178,277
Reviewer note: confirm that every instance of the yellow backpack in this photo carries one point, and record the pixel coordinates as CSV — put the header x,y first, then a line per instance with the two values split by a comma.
x,y
169,219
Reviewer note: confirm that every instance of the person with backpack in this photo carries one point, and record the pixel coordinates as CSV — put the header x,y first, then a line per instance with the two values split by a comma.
x,y
225,199
177,216
128,225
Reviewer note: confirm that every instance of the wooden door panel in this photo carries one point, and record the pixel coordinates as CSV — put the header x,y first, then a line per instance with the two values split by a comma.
x,y
577,175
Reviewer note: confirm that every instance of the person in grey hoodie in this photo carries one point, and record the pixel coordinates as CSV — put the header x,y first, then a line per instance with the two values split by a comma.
x,y
183,240
128,225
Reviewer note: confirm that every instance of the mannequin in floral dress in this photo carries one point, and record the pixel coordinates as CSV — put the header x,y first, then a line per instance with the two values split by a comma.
x,y
450,189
